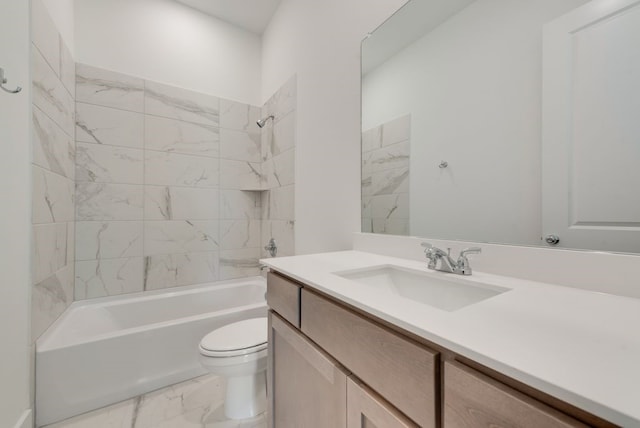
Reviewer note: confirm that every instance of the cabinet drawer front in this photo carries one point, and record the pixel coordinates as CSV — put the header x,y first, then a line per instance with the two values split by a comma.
x,y
283,296
401,371
472,399
366,410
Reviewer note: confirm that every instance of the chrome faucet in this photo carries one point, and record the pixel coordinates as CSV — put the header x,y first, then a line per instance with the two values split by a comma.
x,y
439,260
272,248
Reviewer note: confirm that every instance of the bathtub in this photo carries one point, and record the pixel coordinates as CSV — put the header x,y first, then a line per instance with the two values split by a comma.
x,y
106,350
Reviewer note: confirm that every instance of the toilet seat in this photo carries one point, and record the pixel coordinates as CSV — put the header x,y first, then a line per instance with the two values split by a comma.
x,y
236,339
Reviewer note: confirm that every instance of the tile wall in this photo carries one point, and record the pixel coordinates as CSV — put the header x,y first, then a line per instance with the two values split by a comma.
x,y
53,172
278,163
385,177
169,185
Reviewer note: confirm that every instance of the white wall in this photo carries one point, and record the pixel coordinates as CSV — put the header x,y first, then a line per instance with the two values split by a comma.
x,y
473,88
62,13
168,42
320,42
15,224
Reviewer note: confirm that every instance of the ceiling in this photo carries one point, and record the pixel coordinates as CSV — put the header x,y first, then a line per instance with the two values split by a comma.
x,y
252,15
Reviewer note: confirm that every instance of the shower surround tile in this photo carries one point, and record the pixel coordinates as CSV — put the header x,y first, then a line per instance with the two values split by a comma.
x,y
50,95
283,233
235,115
105,125
53,149
280,205
173,270
279,171
180,203
169,135
108,164
49,298
236,204
50,252
108,240
396,130
240,145
388,157
237,234
108,88
105,201
239,263
108,277
182,104
240,175
53,197
67,69
171,169
283,101
180,237
44,35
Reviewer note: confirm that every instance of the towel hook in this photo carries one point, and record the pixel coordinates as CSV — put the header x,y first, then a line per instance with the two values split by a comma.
x,y
3,80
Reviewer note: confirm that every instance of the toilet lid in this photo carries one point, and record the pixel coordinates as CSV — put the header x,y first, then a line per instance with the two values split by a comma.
x,y
238,338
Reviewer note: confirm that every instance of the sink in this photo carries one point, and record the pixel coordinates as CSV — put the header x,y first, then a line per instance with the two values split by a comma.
x,y
443,291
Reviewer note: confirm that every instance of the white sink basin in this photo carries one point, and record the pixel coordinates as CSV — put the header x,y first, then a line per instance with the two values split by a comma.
x,y
444,291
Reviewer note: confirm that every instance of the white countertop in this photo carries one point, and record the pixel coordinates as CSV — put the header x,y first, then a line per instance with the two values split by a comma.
x,y
580,346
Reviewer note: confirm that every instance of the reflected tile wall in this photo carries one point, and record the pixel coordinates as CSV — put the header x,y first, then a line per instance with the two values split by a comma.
x,y
53,172
161,185
385,177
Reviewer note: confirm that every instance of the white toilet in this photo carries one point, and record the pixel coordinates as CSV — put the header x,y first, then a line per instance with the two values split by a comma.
x,y
238,351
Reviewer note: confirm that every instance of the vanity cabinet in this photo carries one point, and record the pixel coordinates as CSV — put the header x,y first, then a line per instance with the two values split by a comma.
x,y
472,399
335,366
366,409
306,387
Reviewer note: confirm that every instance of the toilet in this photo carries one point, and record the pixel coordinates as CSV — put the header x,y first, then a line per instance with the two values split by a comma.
x,y
238,351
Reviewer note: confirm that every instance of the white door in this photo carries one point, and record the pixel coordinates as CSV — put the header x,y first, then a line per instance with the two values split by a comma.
x,y
15,216
591,127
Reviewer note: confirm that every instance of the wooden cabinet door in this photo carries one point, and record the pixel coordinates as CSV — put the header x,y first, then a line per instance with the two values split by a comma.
x,y
366,409
473,400
306,387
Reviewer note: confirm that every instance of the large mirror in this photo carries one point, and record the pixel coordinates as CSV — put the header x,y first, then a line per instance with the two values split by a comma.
x,y
507,121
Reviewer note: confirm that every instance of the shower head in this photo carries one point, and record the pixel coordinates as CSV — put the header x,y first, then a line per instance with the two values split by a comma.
x,y
262,122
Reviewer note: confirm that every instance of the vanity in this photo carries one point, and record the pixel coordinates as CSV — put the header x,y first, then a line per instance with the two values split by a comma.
x,y
346,350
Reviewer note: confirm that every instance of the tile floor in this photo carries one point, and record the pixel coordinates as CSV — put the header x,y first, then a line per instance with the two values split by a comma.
x,y
194,403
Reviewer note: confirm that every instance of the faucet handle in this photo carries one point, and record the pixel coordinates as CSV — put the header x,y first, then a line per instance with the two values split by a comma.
x,y
472,250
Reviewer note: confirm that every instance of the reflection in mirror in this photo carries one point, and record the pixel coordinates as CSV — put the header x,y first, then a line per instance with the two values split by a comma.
x,y
530,151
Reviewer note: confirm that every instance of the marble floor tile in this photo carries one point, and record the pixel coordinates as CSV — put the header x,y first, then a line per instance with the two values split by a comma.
x,y
194,403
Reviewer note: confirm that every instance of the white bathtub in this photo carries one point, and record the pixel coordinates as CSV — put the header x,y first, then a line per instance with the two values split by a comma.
x,y
107,350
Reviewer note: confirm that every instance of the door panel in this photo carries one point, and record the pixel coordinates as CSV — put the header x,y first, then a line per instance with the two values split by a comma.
x,y
591,135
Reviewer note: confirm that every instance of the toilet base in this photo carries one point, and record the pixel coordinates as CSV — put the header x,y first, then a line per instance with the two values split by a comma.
x,y
246,396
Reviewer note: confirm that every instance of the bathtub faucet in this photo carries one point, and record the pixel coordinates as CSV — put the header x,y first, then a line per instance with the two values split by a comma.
x,y
272,248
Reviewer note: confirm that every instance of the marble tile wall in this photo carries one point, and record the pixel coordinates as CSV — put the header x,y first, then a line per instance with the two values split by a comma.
x,y
385,177
53,171
194,403
278,170
169,185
